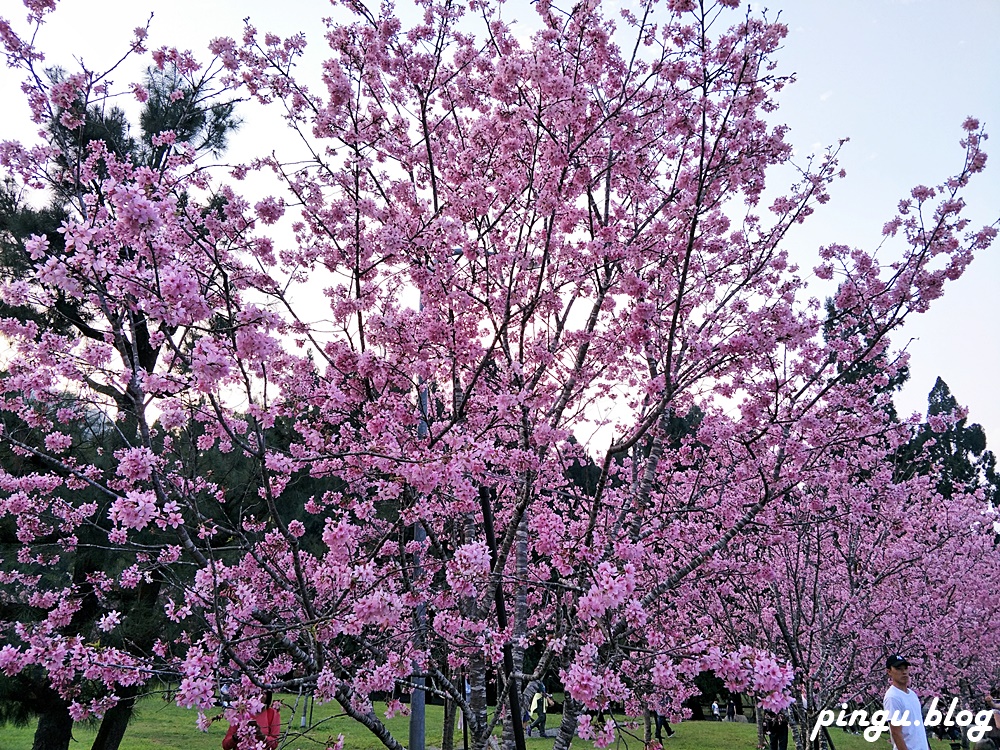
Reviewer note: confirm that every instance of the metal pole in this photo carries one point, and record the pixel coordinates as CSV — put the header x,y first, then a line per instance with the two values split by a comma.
x,y
418,698
418,720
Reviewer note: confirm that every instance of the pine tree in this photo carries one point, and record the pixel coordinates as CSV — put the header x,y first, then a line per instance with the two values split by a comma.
x,y
950,448
188,109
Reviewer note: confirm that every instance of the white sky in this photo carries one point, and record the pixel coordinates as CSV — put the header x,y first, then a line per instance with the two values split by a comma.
x,y
895,76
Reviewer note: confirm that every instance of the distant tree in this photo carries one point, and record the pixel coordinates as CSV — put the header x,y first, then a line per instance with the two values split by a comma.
x,y
951,450
196,117
866,563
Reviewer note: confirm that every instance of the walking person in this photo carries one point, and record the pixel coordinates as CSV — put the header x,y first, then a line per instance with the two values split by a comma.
x,y
661,723
539,706
716,715
730,709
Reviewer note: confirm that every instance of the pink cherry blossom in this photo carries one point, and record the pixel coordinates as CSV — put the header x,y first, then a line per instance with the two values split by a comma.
x,y
499,244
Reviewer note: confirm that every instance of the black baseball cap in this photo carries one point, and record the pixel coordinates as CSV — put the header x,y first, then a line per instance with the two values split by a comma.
x,y
896,661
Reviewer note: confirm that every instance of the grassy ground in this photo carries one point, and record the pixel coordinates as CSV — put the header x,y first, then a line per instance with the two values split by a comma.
x,y
159,725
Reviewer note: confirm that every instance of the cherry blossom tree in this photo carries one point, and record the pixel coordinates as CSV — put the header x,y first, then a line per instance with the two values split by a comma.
x,y
497,247
833,592
886,558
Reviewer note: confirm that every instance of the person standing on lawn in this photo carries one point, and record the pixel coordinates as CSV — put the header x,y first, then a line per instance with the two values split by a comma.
x,y
910,735
528,703
266,728
776,727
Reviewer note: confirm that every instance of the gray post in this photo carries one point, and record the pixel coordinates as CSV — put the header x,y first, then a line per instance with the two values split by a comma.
x,y
418,725
418,698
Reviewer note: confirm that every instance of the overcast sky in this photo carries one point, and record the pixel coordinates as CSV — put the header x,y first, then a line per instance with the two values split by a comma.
x,y
895,76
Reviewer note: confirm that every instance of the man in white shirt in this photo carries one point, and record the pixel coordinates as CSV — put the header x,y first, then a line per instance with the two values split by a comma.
x,y
906,722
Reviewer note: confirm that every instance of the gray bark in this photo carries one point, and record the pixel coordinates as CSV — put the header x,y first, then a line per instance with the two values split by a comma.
x,y
478,720
567,729
520,623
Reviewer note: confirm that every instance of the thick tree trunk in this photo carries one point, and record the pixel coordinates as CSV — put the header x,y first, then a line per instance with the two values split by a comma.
x,y
567,729
520,624
479,719
55,728
115,721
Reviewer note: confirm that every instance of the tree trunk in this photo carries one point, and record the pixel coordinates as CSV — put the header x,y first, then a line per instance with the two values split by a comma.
x,y
758,714
55,728
803,729
418,698
520,625
116,720
800,736
448,735
965,692
479,719
567,729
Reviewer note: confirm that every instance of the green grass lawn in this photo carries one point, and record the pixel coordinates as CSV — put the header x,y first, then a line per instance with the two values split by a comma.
x,y
159,725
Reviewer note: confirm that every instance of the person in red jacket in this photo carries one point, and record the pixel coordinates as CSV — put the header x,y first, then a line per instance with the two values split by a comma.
x,y
266,726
